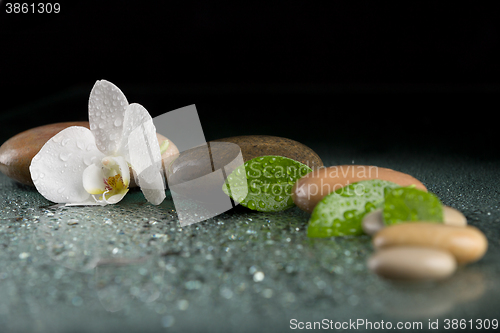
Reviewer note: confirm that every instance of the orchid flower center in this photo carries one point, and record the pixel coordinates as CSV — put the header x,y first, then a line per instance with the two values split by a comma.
x,y
108,180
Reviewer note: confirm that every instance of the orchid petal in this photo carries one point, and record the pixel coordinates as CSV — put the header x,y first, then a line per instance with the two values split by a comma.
x,y
58,167
92,180
107,105
144,152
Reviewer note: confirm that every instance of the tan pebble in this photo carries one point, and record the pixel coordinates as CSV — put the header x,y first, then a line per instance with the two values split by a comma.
x,y
467,244
412,263
451,216
373,222
310,189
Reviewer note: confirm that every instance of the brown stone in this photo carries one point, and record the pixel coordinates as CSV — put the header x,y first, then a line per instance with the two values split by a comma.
x,y
199,161
17,152
253,146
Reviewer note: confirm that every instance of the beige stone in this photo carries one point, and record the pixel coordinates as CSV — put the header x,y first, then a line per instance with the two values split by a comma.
x,y
412,263
373,222
451,216
467,244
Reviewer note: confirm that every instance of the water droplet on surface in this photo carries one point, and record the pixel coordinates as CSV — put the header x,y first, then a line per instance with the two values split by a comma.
x,y
258,276
262,204
93,126
101,125
80,145
251,204
60,190
118,122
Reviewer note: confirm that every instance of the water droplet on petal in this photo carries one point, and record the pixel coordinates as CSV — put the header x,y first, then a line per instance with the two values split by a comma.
x,y
60,190
118,122
101,125
93,126
64,156
41,175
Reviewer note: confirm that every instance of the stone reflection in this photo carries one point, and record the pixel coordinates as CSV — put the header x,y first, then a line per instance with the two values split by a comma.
x,y
433,299
118,282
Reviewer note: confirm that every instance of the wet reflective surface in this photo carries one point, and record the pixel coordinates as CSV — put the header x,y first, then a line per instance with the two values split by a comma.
x,y
132,267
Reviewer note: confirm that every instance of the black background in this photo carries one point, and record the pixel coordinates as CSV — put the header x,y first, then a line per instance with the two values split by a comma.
x,y
410,75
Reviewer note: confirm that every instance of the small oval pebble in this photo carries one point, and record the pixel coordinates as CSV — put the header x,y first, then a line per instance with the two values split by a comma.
x,y
451,216
412,263
253,146
17,152
310,189
467,244
373,222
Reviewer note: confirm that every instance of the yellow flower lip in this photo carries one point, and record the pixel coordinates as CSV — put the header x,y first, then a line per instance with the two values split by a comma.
x,y
107,181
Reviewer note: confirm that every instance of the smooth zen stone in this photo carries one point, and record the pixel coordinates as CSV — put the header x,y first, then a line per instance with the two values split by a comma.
x,y
310,189
412,263
373,222
467,244
199,169
451,216
17,152
253,146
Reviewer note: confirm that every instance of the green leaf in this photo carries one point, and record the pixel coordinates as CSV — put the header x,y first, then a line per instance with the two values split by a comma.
x,y
410,204
340,213
265,183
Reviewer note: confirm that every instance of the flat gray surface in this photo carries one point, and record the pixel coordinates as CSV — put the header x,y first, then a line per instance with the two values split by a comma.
x,y
130,267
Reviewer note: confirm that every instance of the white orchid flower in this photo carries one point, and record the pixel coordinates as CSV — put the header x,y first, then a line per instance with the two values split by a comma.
x,y
79,166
